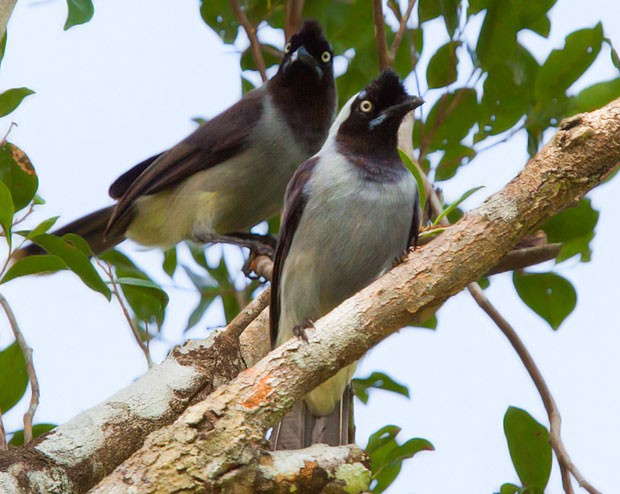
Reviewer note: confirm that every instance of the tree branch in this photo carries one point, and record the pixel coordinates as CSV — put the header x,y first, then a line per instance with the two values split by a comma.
x,y
32,375
222,433
401,32
293,16
250,31
377,13
6,9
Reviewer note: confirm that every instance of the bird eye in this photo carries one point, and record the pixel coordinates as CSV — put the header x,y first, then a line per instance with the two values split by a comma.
x,y
287,48
366,106
326,56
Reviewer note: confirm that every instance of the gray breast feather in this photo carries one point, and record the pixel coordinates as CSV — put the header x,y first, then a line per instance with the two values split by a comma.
x,y
350,232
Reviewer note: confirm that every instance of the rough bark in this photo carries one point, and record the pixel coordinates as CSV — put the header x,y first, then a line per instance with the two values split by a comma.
x,y
224,434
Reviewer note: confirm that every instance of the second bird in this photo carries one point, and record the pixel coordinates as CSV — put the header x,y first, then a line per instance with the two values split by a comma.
x,y
232,172
350,212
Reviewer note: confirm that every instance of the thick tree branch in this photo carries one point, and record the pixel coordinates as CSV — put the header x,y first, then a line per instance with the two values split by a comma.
x,y
6,9
222,433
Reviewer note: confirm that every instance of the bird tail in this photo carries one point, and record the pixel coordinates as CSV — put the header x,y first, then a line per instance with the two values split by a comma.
x,y
90,227
300,429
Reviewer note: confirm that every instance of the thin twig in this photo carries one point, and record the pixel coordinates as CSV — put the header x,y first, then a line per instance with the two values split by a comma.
x,y
107,269
32,375
250,31
293,16
3,444
6,136
377,13
566,465
401,31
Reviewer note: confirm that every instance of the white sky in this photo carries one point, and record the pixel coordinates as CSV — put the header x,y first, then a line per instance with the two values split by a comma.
x,y
126,85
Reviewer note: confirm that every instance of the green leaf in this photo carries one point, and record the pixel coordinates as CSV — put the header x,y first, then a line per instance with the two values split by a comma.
x,y
377,380
416,173
37,430
270,54
170,261
574,229
147,303
75,260
564,66
13,376
10,99
509,489
448,9
456,204
595,96
528,442
18,175
196,315
80,12
41,228
450,120
78,242
441,69
386,455
3,46
454,156
34,265
498,34
6,211
615,59
137,282
549,295
430,323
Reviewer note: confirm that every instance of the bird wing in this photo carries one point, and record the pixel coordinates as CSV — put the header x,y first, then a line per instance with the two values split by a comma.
x,y
122,183
212,143
295,202
415,221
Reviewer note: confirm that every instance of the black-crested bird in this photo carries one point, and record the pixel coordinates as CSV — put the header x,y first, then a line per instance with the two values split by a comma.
x,y
350,211
231,173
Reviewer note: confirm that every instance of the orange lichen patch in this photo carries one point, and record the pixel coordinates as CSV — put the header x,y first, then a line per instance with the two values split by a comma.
x,y
306,473
261,390
21,159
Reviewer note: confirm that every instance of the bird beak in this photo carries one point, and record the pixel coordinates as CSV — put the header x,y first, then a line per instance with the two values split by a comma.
x,y
302,55
397,112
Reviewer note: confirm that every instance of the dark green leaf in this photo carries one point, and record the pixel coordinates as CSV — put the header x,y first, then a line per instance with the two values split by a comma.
x,y
147,303
377,380
18,175
615,59
450,119
10,99
34,265
37,430
595,96
441,69
137,282
528,442
454,156
3,45
271,56
80,11
170,261
533,15
6,211
574,229
78,242
564,66
498,35
484,282
509,489
448,9
75,260
13,376
41,228
549,295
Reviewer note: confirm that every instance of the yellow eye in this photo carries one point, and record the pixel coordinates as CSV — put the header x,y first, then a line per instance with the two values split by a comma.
x,y
326,56
287,48
366,106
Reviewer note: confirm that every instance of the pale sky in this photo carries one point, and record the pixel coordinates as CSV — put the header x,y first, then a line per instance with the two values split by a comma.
x,y
126,85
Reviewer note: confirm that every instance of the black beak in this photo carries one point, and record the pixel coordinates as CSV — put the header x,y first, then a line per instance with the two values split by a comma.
x,y
396,113
302,55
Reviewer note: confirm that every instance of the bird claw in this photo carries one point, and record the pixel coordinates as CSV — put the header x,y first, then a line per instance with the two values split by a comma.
x,y
299,330
401,258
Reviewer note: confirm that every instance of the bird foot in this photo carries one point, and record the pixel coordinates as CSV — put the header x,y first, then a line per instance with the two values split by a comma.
x,y
401,258
299,330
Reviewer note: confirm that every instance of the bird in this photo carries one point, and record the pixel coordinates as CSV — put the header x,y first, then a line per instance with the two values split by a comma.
x,y
351,211
231,173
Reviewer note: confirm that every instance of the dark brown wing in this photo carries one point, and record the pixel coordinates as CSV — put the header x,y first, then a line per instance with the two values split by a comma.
x,y
212,143
122,183
294,204
415,222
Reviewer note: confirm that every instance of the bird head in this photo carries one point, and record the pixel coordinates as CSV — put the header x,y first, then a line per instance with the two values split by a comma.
x,y
369,121
308,51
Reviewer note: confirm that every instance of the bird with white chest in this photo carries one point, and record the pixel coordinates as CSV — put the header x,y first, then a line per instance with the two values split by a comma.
x,y
350,211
